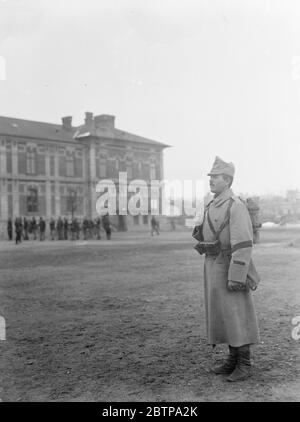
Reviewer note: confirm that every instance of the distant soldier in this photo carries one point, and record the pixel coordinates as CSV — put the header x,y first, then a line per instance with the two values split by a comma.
x,y
77,229
52,228
98,227
173,227
9,228
18,229
25,228
42,227
106,225
85,226
157,225
154,226
66,228
59,228
33,227
73,229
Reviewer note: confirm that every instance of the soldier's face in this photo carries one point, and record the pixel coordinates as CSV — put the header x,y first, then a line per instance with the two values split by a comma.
x,y
217,183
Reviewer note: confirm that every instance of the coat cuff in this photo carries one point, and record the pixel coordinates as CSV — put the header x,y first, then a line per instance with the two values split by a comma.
x,y
240,258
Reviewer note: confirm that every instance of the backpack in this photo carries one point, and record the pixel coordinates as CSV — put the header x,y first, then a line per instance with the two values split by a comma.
x,y
253,209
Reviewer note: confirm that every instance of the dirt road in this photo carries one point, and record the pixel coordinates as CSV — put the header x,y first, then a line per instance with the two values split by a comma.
x,y
124,321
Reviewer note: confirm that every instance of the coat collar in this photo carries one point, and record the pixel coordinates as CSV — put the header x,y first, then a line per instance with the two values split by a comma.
x,y
223,197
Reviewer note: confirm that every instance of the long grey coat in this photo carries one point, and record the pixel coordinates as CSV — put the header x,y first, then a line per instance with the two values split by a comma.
x,y
230,316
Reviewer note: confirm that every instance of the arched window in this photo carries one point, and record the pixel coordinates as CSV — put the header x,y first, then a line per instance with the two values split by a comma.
x,y
31,161
70,164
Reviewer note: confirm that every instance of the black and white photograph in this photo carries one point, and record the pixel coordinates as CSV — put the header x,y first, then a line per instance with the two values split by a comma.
x,y
149,203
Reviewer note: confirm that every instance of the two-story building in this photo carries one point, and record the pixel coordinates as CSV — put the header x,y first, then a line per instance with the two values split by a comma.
x,y
43,165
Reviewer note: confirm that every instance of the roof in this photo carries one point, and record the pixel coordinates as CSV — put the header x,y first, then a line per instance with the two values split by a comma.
x,y
40,130
31,129
113,134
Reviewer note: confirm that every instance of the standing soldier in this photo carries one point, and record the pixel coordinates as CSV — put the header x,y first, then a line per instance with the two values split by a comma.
x,y
98,226
226,238
42,227
33,227
66,227
18,229
10,228
25,225
106,225
59,228
52,228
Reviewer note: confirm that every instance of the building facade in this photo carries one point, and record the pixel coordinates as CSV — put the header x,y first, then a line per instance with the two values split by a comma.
x,y
44,166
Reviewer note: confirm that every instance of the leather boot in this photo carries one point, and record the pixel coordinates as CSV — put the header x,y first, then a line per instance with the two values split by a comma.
x,y
228,366
243,367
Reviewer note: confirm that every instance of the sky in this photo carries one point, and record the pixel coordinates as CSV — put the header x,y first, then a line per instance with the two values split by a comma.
x,y
207,77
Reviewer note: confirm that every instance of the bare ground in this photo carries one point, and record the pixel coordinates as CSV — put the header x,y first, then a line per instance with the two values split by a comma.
x,y
124,321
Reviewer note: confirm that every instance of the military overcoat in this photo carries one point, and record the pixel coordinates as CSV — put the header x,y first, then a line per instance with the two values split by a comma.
x,y
230,315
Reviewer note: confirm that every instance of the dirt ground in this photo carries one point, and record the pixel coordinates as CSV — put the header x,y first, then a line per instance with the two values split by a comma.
x,y
124,321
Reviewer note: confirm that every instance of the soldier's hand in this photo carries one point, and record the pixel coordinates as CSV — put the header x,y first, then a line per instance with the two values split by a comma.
x,y
235,286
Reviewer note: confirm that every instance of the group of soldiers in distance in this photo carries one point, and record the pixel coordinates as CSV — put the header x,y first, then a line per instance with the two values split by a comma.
x,y
60,229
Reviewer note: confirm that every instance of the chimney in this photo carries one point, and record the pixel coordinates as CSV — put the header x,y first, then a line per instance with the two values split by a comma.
x,y
105,120
88,121
67,122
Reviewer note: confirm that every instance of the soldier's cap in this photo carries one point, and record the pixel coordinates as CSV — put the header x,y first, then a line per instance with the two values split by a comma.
x,y
221,167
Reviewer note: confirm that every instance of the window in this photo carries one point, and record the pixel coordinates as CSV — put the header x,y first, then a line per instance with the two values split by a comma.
x,y
122,165
30,162
70,165
129,169
8,159
155,205
136,170
71,200
52,165
152,172
136,220
111,169
62,165
32,200
145,171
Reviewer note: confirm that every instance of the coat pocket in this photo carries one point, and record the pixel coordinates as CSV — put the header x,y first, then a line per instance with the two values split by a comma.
x,y
253,278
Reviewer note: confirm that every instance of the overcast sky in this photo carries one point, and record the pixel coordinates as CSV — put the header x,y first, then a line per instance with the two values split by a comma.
x,y
206,77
